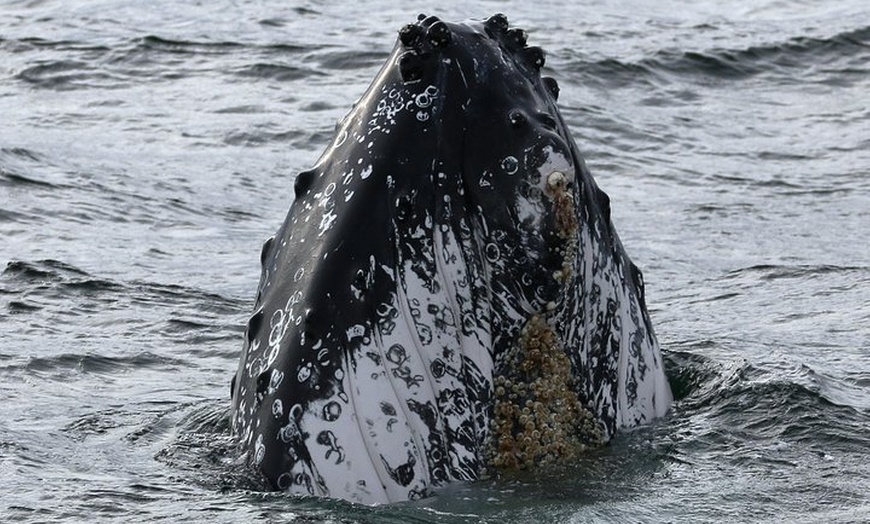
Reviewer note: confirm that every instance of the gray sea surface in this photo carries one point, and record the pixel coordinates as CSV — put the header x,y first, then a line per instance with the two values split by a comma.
x,y
148,148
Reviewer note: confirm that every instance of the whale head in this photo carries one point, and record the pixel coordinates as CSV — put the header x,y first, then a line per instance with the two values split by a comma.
x,y
447,297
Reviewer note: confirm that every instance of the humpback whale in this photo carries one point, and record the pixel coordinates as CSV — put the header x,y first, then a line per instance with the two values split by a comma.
x,y
447,298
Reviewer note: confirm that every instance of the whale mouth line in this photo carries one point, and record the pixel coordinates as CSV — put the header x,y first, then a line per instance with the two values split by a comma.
x,y
447,298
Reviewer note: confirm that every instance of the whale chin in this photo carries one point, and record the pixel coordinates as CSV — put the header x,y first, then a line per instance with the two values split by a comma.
x,y
447,297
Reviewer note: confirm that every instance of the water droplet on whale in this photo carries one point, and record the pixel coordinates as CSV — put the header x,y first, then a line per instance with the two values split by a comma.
x,y
510,164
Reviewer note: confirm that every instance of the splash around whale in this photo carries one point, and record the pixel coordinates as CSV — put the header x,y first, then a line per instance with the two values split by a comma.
x,y
447,297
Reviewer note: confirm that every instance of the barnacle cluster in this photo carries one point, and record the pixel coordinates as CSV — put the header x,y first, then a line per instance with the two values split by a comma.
x,y
538,418
558,189
563,204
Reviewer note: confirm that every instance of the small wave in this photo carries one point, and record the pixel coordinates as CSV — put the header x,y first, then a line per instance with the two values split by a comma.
x,y
78,66
20,306
21,153
740,402
203,451
58,293
83,66
277,72
343,60
54,272
98,364
784,409
206,417
317,106
19,168
795,53
8,178
34,43
185,46
776,272
689,372
62,75
210,302
242,109
257,138
40,269
42,45
158,44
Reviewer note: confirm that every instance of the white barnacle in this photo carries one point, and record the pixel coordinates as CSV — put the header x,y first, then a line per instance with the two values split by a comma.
x,y
556,179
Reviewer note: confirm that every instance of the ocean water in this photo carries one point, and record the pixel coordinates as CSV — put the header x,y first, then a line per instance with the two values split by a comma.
x,y
148,148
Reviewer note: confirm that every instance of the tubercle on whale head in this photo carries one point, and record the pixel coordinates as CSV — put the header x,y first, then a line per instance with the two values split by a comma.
x,y
425,38
497,24
552,86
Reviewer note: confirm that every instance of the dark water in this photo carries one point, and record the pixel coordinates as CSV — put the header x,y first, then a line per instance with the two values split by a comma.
x,y
147,149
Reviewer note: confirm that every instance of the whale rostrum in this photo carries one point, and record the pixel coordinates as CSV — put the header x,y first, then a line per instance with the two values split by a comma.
x,y
447,297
